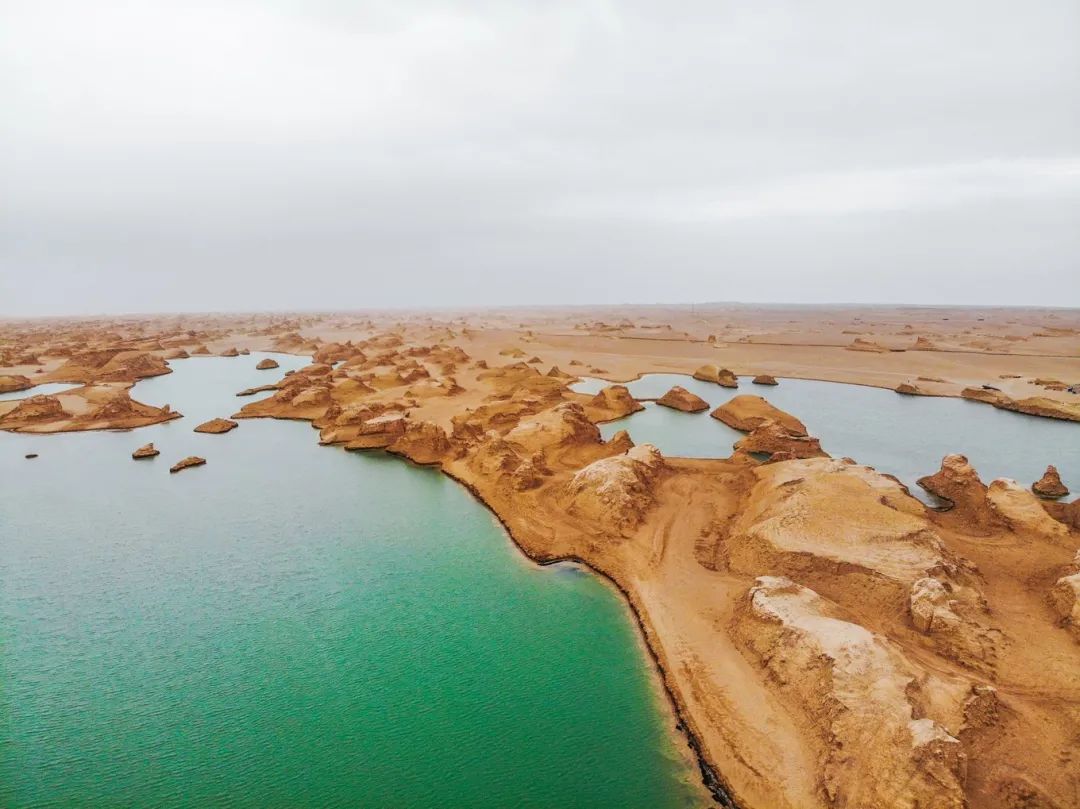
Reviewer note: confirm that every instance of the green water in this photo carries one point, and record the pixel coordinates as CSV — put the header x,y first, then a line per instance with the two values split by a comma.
x,y
297,626
906,436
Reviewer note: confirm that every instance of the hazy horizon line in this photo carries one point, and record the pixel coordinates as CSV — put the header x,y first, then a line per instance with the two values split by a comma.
x,y
377,310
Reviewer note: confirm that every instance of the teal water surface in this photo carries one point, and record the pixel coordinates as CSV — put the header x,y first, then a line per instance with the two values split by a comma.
x,y
297,626
906,436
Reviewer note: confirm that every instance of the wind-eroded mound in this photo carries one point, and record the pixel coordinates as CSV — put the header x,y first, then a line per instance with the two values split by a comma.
x,y
422,442
109,365
959,487
566,425
721,376
875,542
616,491
747,412
13,382
862,344
679,398
1032,406
1050,485
216,426
613,402
34,409
1004,505
778,442
874,749
104,407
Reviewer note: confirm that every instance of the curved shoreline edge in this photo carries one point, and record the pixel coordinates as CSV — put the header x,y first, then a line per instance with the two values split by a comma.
x,y
710,776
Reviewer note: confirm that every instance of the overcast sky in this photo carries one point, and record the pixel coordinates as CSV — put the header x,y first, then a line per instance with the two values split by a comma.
x,y
162,156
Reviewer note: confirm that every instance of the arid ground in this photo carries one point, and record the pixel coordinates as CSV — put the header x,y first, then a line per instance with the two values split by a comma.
x,y
827,639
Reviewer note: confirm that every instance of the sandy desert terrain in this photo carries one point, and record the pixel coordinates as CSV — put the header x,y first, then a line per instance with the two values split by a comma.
x,y
826,638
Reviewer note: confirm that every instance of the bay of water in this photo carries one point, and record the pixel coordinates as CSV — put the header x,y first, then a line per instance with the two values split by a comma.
x,y
906,436
49,388
297,626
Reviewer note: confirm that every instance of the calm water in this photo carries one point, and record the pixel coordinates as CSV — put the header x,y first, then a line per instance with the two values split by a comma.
x,y
292,625
48,388
904,435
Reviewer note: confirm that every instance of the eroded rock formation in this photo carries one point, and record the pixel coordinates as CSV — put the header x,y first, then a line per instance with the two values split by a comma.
x,y
679,398
187,463
1050,485
721,376
216,426
746,413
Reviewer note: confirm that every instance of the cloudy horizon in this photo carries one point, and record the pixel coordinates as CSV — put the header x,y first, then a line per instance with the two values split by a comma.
x,y
287,155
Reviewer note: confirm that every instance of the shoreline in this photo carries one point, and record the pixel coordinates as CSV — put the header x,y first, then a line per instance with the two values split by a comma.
x,y
730,567
711,778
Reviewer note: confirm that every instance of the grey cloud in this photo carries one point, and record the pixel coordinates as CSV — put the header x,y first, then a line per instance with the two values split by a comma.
x,y
334,154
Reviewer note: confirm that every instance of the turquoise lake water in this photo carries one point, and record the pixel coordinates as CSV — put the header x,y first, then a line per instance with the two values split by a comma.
x,y
297,626
906,436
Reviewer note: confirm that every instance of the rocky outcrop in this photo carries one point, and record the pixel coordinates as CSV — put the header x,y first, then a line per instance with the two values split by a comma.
x,y
782,526
857,537
1050,485
422,442
187,463
960,489
1065,600
216,426
765,379
1020,510
230,352
1065,513
1047,408
616,491
10,383
613,402
557,373
988,395
258,389
331,353
110,365
266,364
34,409
1032,406
563,426
955,618
908,389
379,432
679,398
862,344
721,376
747,412
773,439
145,451
858,691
